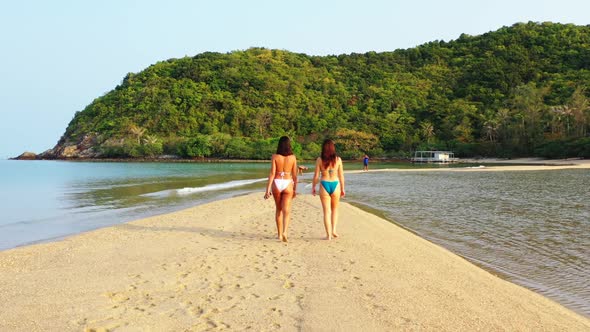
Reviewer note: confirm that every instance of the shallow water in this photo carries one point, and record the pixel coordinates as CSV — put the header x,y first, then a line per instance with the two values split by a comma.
x,y
44,200
530,227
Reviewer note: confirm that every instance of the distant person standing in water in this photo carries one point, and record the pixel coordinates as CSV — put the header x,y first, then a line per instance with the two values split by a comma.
x,y
366,163
329,165
282,184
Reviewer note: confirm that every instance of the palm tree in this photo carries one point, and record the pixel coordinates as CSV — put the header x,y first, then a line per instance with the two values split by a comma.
x,y
580,107
137,132
427,130
150,139
490,129
502,119
557,113
263,119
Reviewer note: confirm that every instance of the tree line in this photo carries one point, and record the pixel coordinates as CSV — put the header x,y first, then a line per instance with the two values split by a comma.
x,y
518,91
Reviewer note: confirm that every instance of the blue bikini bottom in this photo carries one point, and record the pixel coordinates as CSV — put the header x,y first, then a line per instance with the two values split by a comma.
x,y
330,186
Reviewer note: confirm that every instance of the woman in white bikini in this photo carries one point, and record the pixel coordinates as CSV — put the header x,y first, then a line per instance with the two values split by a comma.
x,y
282,184
329,165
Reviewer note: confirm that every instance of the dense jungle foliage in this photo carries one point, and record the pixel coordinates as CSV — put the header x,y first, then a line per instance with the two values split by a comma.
x,y
518,91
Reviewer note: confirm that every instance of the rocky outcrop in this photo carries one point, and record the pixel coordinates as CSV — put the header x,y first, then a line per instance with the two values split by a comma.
x,y
26,156
84,148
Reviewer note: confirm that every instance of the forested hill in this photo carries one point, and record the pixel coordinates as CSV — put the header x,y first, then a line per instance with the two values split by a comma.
x,y
518,91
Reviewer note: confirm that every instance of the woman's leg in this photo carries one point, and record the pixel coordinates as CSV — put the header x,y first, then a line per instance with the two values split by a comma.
x,y
276,194
287,198
327,207
334,206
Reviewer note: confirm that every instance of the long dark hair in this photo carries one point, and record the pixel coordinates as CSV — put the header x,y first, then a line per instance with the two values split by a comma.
x,y
328,153
284,148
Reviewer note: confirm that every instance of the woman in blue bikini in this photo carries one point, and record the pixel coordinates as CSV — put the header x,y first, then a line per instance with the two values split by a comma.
x,y
331,185
282,184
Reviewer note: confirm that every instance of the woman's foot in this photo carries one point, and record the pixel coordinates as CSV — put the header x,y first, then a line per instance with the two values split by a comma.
x,y
284,238
334,234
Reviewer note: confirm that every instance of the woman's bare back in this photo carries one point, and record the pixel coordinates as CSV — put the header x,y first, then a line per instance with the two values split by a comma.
x,y
284,165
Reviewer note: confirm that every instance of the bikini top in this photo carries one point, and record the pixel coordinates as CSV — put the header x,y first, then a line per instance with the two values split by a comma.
x,y
283,173
330,172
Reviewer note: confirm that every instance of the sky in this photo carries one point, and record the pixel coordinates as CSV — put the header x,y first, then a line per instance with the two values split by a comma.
x,y
57,56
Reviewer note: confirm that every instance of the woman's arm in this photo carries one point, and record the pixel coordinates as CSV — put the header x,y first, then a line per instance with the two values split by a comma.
x,y
316,176
341,176
294,176
271,177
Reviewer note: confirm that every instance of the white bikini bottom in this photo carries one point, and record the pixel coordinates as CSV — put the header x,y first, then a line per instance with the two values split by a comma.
x,y
282,184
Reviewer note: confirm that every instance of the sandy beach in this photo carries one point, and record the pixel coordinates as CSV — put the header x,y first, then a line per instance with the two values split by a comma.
x,y
218,266
528,161
495,165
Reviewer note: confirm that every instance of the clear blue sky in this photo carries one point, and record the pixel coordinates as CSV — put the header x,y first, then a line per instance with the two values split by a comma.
x,y
57,56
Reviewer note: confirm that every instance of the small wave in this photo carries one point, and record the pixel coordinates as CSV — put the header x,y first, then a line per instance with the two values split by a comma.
x,y
480,166
209,187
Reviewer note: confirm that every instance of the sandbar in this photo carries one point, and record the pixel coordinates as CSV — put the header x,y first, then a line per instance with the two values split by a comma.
x,y
219,266
494,165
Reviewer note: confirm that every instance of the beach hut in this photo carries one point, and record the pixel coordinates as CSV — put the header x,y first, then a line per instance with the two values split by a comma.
x,y
434,157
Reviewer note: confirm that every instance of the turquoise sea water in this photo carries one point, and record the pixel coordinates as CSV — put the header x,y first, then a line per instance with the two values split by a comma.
x,y
44,200
530,227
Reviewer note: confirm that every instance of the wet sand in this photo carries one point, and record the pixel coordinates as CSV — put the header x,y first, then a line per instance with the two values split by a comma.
x,y
220,266
495,165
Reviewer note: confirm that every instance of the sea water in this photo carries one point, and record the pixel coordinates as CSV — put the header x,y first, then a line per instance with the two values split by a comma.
x,y
530,227
45,200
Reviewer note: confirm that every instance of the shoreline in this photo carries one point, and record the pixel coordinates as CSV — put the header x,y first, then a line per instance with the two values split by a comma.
x,y
522,164
218,265
173,159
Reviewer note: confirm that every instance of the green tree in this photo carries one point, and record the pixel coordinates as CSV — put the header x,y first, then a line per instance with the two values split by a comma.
x,y
197,147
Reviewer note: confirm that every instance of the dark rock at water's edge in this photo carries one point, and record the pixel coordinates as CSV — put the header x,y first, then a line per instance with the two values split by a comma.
x,y
26,156
64,149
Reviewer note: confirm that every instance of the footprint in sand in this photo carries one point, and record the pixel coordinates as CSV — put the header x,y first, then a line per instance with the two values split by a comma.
x,y
217,325
192,309
117,297
98,329
276,311
218,287
379,308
